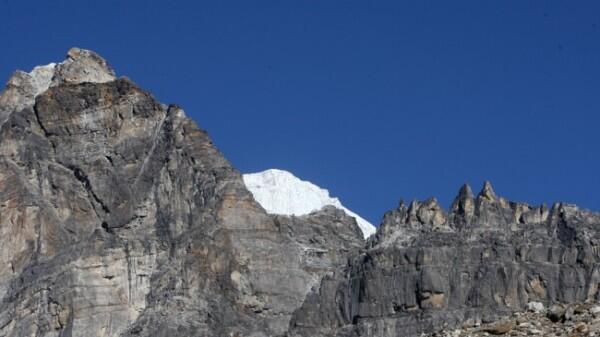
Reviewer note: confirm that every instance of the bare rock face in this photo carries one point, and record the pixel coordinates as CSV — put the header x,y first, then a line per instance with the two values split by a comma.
x,y
83,66
425,270
118,217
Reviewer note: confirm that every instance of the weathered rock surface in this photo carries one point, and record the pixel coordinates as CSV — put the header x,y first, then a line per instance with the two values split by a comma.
x,y
425,270
118,217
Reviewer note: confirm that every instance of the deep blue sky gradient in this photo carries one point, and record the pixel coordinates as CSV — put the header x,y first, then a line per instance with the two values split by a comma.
x,y
375,100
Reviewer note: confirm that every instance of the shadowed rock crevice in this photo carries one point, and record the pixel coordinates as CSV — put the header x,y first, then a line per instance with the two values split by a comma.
x,y
85,181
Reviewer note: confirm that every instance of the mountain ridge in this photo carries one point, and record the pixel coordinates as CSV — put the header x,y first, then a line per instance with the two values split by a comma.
x,y
119,217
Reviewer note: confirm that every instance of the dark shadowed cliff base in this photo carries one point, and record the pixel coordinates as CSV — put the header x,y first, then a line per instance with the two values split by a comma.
x,y
119,217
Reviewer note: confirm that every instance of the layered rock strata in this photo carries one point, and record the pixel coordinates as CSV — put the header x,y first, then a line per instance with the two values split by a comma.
x,y
118,217
426,269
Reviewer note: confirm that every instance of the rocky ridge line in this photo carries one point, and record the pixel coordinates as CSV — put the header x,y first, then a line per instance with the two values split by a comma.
x,y
119,217
427,269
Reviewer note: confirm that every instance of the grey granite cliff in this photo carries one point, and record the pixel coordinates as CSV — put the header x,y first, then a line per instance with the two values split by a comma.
x,y
426,270
119,217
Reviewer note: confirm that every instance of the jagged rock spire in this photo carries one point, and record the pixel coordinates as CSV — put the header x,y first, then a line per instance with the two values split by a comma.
x,y
83,66
431,213
401,204
463,207
465,192
487,192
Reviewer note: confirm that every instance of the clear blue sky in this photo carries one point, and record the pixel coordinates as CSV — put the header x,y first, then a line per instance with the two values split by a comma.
x,y
374,100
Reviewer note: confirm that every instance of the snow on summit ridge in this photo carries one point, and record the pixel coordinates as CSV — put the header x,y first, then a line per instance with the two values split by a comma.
x,y
280,192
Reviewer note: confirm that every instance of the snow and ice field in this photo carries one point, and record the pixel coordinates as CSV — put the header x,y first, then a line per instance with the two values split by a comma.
x,y
280,192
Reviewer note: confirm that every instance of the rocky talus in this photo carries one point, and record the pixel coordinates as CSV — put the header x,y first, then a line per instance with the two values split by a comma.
x,y
119,217
560,320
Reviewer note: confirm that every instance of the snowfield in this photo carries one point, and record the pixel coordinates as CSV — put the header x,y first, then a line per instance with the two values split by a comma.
x,y
280,192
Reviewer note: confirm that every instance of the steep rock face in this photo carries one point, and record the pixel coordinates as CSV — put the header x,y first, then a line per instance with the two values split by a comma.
x,y
118,217
425,270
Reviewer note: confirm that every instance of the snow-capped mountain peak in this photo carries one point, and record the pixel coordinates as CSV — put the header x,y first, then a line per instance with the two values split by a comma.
x,y
280,192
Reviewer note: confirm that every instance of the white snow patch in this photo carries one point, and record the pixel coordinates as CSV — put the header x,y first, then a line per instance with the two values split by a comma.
x,y
41,77
280,192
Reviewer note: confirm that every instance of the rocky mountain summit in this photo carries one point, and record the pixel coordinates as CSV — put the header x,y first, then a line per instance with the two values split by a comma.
x,y
119,217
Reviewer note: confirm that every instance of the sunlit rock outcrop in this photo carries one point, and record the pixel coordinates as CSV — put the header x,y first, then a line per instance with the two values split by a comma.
x,y
118,217
426,270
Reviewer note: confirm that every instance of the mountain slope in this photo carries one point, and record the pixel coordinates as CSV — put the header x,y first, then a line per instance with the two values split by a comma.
x,y
119,217
280,192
